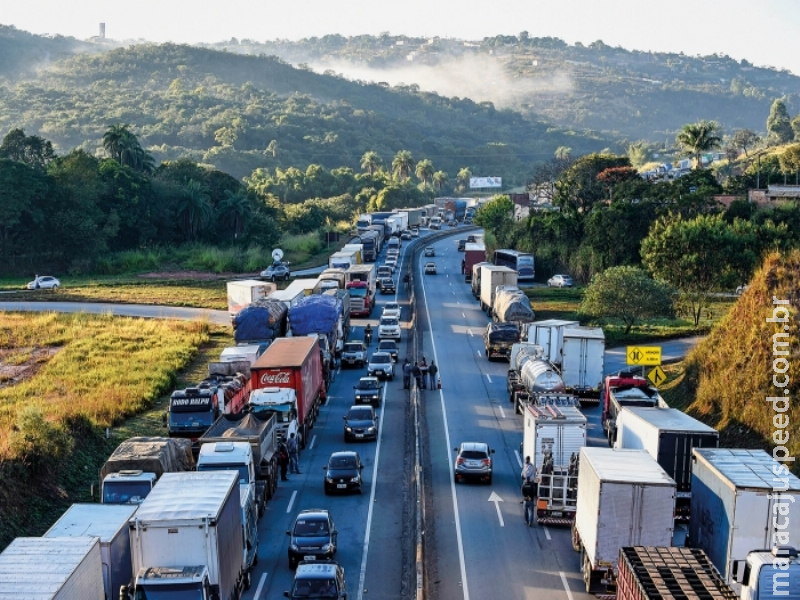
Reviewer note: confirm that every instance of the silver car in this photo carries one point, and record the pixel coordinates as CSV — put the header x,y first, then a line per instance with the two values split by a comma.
x,y
381,366
560,281
44,282
473,460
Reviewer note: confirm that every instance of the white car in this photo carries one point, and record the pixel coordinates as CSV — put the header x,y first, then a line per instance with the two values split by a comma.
x,y
742,289
391,262
381,365
429,251
44,282
415,233
389,328
560,281
391,309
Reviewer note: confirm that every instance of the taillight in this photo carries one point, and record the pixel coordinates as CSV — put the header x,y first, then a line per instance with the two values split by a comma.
x,y
460,461
487,461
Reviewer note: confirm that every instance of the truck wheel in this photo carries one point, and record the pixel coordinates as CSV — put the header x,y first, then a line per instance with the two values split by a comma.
x,y
246,582
576,539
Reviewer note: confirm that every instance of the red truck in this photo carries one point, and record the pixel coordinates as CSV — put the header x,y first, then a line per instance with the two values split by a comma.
x,y
625,389
293,363
473,254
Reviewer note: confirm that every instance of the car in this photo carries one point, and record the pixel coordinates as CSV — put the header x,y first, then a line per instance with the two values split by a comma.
x,y
276,272
429,251
389,327
318,579
360,423
470,239
368,391
389,346
560,281
414,232
312,537
44,282
406,235
391,262
387,285
468,221
381,365
473,461
739,290
391,309
462,245
354,354
430,268
343,473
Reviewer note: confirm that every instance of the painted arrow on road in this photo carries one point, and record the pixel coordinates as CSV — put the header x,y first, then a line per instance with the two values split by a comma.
x,y
497,499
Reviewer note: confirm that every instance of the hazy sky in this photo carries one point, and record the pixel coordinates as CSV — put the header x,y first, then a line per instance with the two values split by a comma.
x,y
765,32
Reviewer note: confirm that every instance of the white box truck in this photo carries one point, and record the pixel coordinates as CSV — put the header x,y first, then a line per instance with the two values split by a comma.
x,y
243,293
583,361
56,568
491,277
108,523
342,260
188,534
553,437
549,334
357,249
625,498
742,500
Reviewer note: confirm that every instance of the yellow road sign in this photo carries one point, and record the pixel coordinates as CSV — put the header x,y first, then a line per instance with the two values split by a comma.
x,y
657,376
643,356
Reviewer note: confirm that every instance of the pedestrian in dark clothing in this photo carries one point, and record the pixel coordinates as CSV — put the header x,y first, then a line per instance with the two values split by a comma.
x,y
294,451
423,368
528,494
417,374
406,375
283,460
432,371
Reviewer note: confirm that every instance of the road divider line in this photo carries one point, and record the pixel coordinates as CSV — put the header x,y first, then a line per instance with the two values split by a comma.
x,y
291,502
463,315
566,586
260,586
519,459
546,532
479,352
363,574
502,412
487,375
469,331
313,439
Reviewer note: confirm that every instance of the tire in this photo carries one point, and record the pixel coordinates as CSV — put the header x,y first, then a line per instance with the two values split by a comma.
x,y
255,559
489,481
360,489
246,581
286,277
55,288
576,544
346,440
455,479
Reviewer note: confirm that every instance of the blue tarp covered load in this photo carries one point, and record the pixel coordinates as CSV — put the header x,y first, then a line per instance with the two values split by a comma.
x,y
314,314
263,320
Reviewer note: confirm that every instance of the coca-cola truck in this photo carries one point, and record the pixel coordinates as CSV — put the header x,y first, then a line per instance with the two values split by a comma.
x,y
294,363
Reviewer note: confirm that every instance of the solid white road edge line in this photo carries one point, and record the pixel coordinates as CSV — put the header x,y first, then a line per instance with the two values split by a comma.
x,y
519,459
260,586
313,439
546,532
291,502
461,561
363,574
566,587
502,412
489,378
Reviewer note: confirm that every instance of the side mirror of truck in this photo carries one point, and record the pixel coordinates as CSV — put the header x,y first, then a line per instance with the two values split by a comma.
x,y
739,571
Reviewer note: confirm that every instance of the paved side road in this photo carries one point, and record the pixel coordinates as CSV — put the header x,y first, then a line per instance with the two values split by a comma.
x,y
217,317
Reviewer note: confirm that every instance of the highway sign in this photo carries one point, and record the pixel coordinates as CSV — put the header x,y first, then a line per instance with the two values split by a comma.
x,y
657,376
643,356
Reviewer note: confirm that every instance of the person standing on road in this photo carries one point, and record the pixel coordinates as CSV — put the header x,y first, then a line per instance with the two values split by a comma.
x,y
283,460
423,369
527,471
417,375
406,375
527,501
293,454
432,371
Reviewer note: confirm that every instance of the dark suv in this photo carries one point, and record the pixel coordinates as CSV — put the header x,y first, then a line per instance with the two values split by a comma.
x,y
313,536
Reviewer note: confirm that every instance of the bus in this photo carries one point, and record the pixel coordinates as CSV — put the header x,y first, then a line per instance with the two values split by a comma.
x,y
521,262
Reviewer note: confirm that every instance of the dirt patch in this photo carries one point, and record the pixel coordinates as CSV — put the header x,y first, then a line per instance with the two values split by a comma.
x,y
15,369
194,275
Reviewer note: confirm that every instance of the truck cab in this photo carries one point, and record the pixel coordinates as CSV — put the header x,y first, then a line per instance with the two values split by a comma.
x,y
768,574
280,401
362,298
127,487
191,412
152,582
232,456
625,389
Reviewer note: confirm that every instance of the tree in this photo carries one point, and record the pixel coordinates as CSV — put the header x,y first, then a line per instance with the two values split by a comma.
x,y
29,149
628,294
698,256
234,210
402,164
194,208
744,139
371,162
440,179
790,160
796,128
425,171
115,139
779,126
638,154
496,216
272,148
463,177
577,188
123,146
696,138
563,153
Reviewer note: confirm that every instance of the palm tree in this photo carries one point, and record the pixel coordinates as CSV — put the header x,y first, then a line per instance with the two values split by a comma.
x,y
371,162
194,208
234,210
697,138
116,140
424,171
440,179
463,178
402,164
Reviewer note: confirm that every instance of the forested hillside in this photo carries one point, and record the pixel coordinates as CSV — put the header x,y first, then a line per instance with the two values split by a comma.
x,y
627,94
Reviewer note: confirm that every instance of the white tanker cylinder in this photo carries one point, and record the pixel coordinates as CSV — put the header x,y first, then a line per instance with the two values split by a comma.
x,y
538,375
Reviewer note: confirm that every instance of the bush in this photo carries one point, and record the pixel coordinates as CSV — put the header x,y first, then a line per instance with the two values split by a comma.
x,y
37,442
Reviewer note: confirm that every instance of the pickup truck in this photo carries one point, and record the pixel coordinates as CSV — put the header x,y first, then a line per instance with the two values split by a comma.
x,y
354,354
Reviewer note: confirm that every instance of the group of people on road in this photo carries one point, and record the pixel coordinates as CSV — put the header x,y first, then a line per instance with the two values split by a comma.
x,y
288,455
422,372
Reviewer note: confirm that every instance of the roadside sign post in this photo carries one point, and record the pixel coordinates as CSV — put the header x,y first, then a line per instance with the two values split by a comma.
x,y
643,356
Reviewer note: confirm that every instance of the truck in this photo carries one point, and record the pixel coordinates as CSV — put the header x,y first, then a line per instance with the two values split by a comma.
x,y
625,499
549,334
415,218
130,473
342,260
331,279
262,321
52,568
669,435
455,209
498,340
491,277
742,500
475,281
243,293
345,300
583,361
653,573
357,248
109,524
511,305
531,375
371,244
187,538
553,437
361,283
291,295
363,222
620,391
435,222
258,431
280,403
403,220
394,225
294,363
473,254
379,230
379,218
193,410
323,317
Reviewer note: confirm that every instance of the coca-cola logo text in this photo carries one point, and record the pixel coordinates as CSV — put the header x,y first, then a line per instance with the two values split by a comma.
x,y
276,378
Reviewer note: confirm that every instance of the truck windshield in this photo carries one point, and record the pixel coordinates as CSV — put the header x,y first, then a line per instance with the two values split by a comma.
x,y
190,420
358,292
125,492
176,591
244,473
